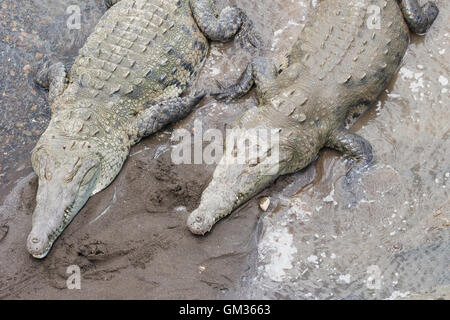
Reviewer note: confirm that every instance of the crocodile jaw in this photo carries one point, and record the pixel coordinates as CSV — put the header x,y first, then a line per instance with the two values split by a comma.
x,y
58,200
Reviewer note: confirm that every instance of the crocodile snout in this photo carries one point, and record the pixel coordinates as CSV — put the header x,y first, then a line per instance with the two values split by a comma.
x,y
198,223
37,244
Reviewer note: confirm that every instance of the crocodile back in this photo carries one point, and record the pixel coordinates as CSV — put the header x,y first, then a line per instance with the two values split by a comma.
x,y
353,48
141,50
353,38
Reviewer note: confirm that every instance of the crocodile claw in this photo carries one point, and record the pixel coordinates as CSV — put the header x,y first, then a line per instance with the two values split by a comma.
x,y
225,93
42,75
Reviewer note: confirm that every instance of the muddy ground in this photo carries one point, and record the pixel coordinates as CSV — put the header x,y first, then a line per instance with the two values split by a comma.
x,y
130,241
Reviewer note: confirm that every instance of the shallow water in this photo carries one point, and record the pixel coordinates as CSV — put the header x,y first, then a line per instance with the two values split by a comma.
x,y
310,244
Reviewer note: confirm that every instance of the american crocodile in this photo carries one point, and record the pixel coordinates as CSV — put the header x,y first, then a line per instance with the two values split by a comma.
x,y
124,85
344,58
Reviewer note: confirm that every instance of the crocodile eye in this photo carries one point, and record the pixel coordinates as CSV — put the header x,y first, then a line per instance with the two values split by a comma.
x,y
38,161
89,175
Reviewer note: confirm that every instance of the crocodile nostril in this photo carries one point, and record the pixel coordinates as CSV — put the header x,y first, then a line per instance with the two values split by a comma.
x,y
199,219
35,240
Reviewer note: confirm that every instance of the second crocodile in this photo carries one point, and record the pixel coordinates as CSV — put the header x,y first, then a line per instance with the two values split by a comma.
x,y
345,57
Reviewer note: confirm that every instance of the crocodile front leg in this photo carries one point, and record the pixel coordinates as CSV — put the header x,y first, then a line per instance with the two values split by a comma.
x,y
261,71
157,115
52,77
231,22
419,19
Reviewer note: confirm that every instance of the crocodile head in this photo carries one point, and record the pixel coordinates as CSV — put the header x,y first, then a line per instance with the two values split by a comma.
x,y
240,175
66,181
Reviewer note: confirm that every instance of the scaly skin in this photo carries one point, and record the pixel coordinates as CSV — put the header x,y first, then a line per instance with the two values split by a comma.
x,y
123,86
335,71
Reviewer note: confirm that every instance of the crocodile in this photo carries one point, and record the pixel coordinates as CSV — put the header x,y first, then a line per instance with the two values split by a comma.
x,y
344,58
125,84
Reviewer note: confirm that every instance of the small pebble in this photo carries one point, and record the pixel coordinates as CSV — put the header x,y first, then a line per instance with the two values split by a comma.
x,y
264,204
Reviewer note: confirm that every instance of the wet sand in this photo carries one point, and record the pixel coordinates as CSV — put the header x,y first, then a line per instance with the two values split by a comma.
x,y
130,241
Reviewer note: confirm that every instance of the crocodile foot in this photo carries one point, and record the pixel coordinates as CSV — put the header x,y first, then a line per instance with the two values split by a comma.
x,y
260,70
230,23
53,77
247,36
